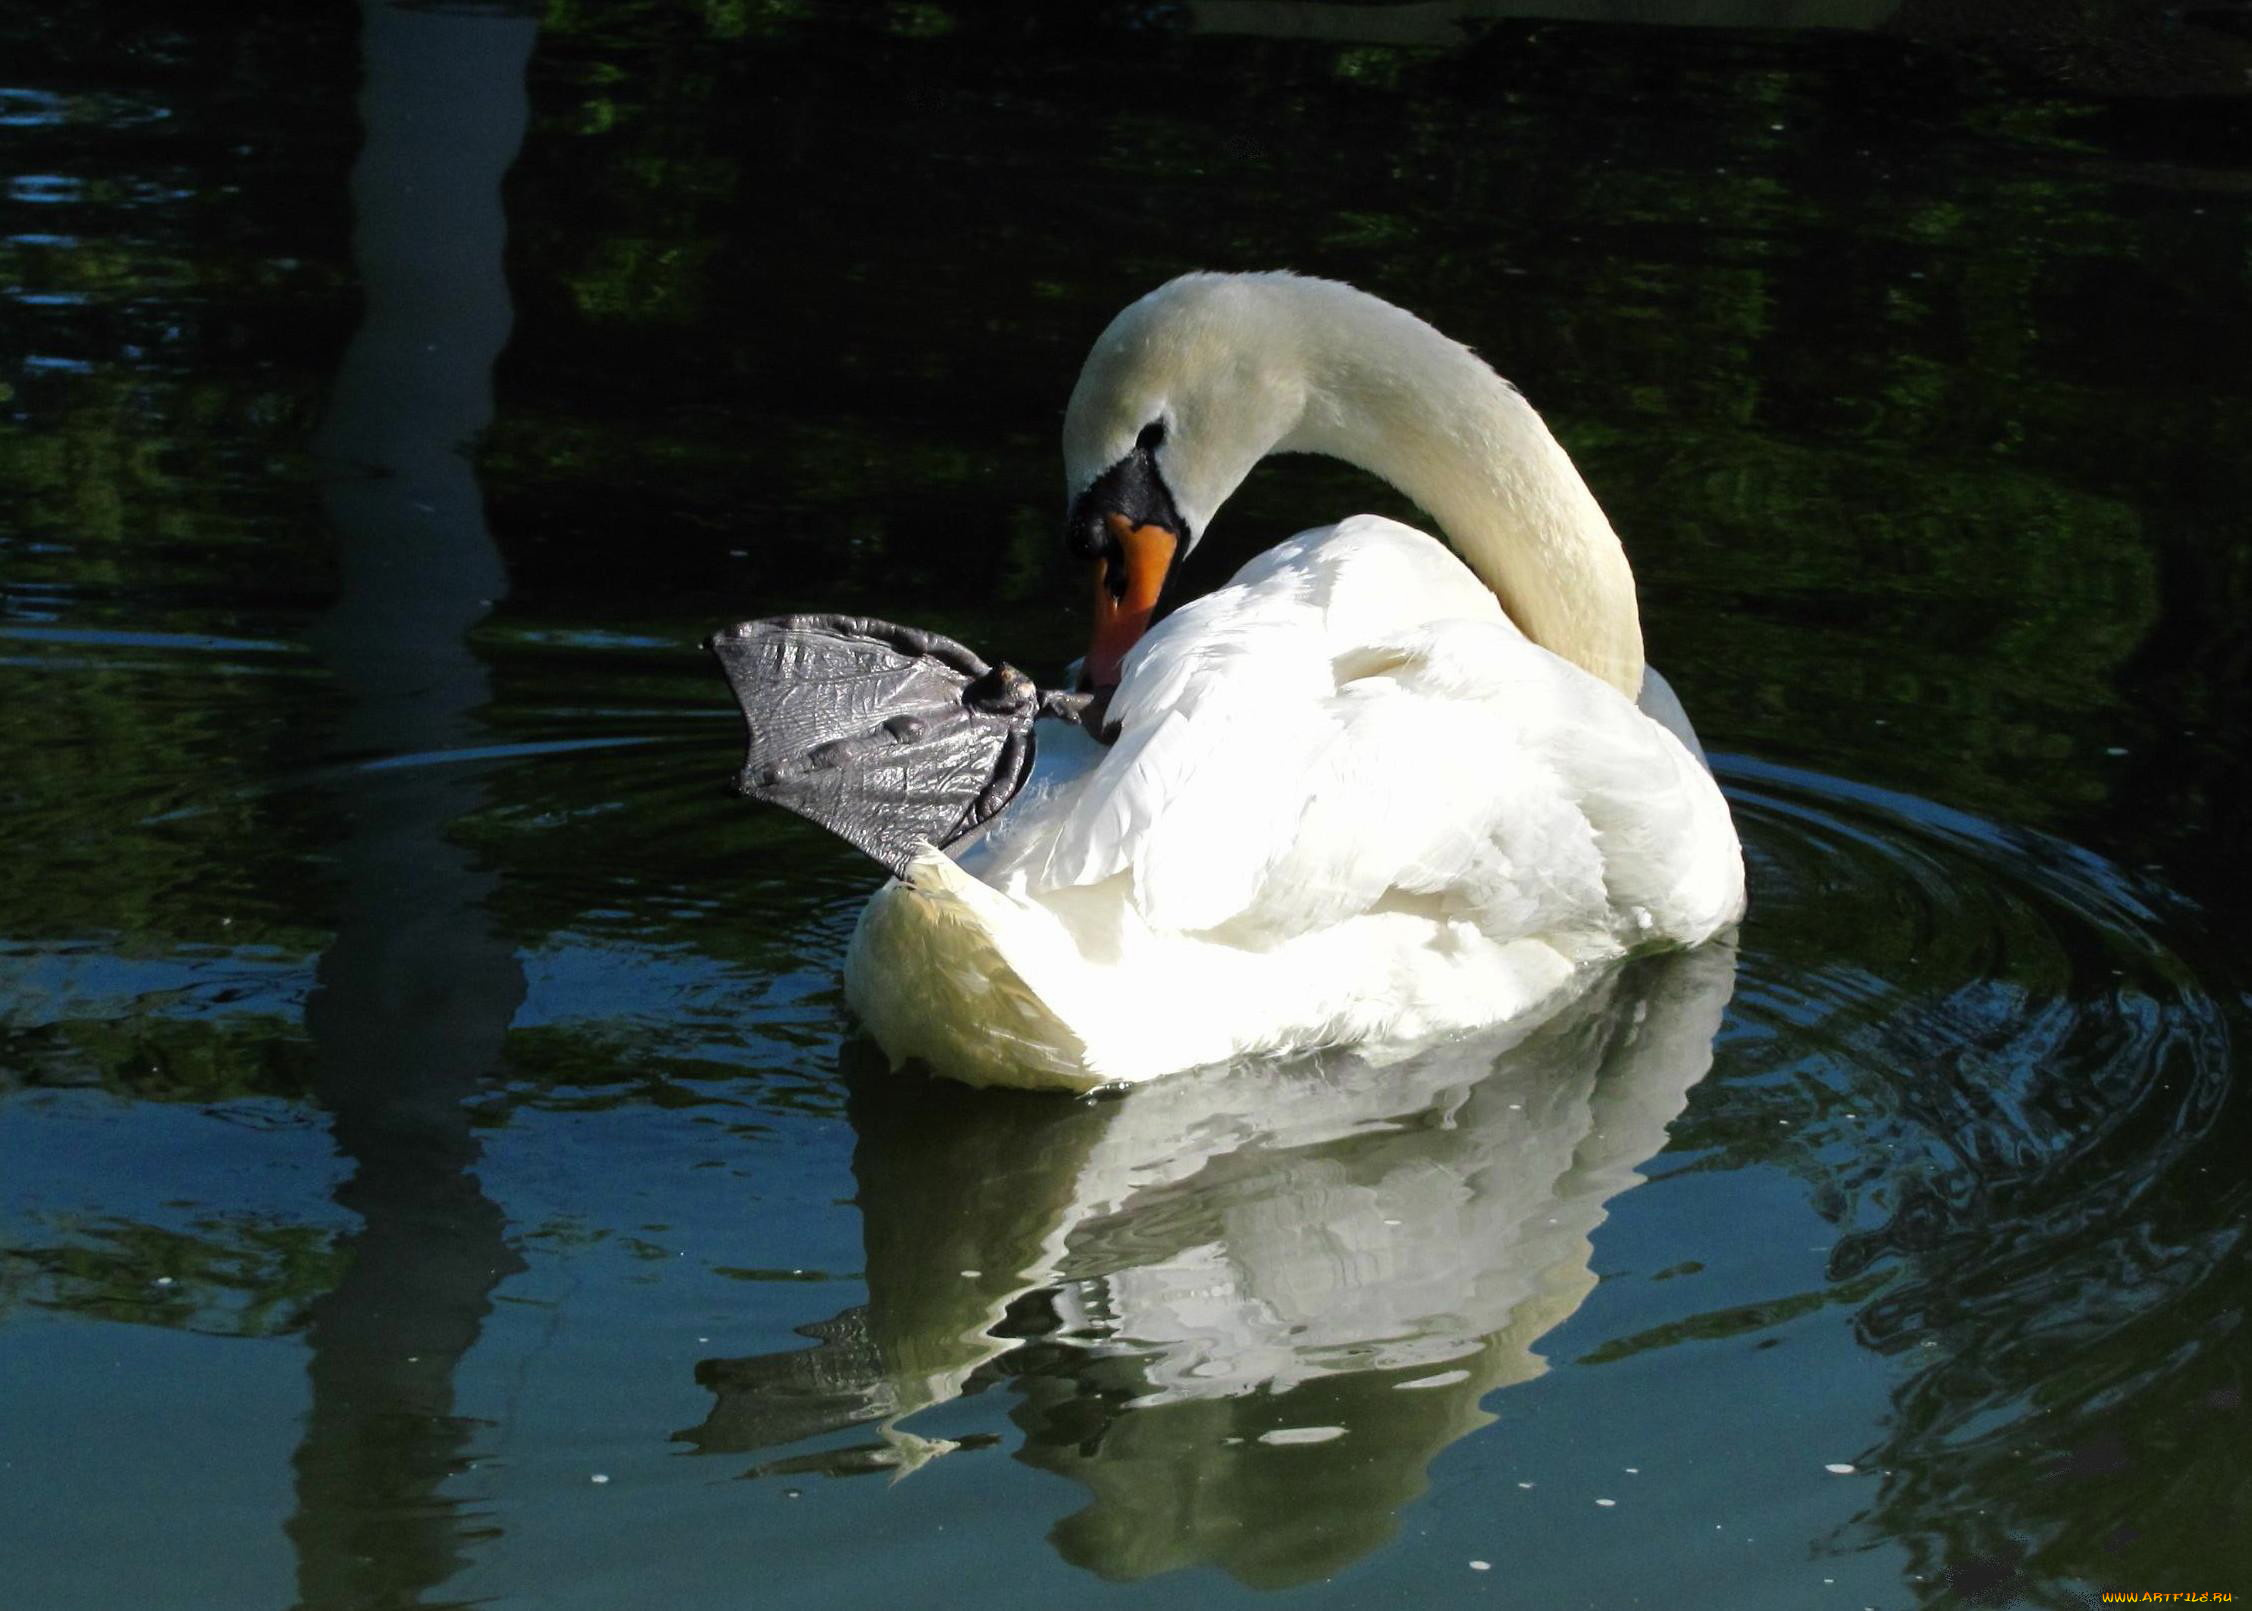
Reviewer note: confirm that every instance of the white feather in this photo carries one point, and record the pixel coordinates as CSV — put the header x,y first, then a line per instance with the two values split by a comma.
x,y
1349,800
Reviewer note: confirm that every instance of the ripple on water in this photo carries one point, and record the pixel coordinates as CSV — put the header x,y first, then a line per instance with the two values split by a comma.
x,y
1964,1009
2001,1063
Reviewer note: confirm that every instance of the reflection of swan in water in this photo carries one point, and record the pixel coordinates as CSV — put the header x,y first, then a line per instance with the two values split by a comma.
x,y
1246,1307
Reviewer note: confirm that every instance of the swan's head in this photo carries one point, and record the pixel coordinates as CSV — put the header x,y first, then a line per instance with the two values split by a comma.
x,y
1184,393
1195,383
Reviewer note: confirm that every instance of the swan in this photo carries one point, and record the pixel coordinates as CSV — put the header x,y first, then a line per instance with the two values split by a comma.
x,y
1367,792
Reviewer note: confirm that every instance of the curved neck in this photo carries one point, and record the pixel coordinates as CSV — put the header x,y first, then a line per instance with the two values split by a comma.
x,y
1390,394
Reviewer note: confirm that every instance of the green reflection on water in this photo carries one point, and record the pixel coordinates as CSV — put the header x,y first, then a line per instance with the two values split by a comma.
x,y
1909,374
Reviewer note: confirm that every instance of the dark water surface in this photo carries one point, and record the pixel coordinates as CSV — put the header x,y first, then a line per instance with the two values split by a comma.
x,y
435,1164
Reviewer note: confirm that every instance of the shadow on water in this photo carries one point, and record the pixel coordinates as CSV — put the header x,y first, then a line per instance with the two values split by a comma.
x,y
414,996
1245,1307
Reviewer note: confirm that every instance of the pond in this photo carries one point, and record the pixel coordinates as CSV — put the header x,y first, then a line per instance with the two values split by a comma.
x,y
437,1166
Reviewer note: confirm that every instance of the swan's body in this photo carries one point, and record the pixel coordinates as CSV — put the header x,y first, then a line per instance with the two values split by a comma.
x,y
1352,799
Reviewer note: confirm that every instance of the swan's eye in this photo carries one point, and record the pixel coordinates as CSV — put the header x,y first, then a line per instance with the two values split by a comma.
x,y
1131,490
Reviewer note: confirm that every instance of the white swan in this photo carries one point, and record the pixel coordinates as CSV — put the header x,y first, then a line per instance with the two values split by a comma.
x,y
1364,793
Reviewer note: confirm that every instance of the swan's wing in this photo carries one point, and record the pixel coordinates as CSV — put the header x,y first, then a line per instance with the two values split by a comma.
x,y
1226,726
1279,789
1594,807
1218,718
1458,770
888,736
1353,725
1261,771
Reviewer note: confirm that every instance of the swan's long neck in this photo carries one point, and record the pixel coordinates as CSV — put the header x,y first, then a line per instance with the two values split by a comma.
x,y
1390,394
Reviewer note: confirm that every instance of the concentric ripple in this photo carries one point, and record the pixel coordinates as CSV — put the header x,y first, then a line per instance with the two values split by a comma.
x,y
2003,1066
1975,1011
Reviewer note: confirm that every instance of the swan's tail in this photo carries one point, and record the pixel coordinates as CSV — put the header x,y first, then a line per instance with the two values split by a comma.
x,y
956,973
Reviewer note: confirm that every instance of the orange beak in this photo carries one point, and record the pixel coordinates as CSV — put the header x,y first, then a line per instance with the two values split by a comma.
x,y
1125,597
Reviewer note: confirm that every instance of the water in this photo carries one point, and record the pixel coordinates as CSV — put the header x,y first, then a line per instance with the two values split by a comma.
x,y
435,1164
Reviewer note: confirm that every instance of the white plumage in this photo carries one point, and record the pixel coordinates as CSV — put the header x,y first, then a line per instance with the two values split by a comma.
x,y
1349,800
